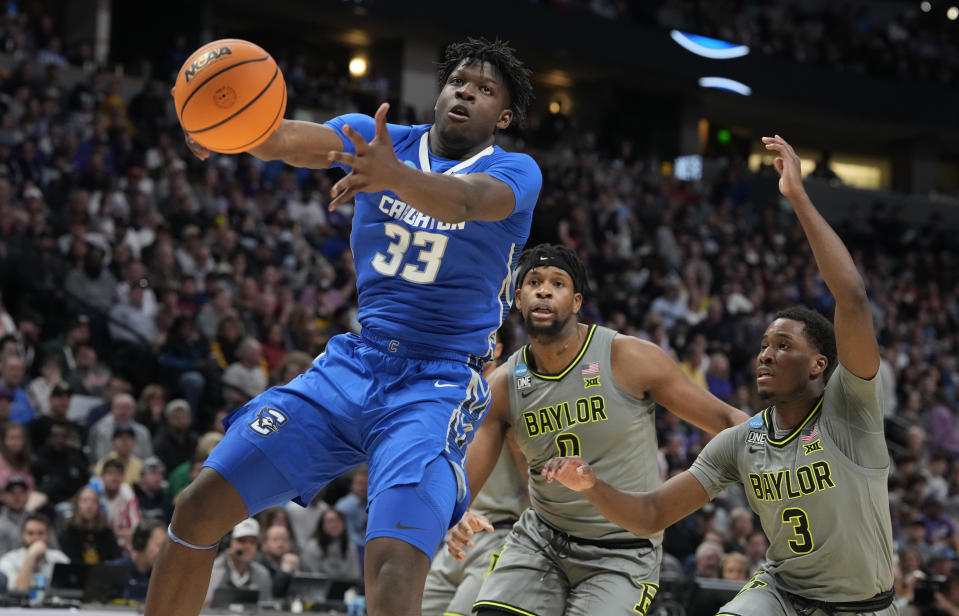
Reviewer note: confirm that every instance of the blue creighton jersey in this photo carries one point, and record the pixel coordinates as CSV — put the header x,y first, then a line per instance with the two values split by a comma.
x,y
429,282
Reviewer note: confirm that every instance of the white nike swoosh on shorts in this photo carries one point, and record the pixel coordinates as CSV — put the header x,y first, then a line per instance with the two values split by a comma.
x,y
438,384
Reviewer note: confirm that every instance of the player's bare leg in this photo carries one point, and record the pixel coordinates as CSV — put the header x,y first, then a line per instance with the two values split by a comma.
x,y
395,576
206,510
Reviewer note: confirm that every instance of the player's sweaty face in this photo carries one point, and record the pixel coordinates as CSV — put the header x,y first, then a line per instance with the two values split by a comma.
x,y
784,358
547,300
470,106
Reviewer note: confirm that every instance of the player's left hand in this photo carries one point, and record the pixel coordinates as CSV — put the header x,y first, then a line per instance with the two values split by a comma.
x,y
374,165
787,164
571,471
460,535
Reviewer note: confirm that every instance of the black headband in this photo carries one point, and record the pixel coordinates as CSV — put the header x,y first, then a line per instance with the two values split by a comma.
x,y
559,260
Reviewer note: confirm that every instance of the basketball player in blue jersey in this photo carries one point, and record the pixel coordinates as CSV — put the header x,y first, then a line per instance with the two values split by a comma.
x,y
440,218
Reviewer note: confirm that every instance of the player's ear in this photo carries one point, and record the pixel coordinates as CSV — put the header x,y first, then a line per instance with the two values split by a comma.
x,y
516,300
505,118
818,364
577,302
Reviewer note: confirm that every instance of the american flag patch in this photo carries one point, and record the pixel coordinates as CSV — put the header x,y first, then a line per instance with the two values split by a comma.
x,y
591,369
812,435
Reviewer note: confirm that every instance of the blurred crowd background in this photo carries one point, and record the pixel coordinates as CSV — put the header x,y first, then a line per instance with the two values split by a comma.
x,y
146,294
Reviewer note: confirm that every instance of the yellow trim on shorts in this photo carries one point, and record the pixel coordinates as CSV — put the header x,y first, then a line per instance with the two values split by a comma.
x,y
502,606
453,614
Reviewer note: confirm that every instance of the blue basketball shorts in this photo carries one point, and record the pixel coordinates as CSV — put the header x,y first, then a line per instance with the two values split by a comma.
x,y
364,400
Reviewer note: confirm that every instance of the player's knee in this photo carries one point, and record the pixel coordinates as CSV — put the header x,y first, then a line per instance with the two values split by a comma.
x,y
207,509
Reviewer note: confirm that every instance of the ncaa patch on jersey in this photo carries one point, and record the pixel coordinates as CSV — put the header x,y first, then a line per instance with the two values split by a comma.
x,y
524,382
520,370
755,423
268,421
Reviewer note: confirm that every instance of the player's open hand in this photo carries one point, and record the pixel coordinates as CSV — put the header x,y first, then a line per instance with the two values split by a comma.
x,y
571,471
460,535
787,164
198,150
374,164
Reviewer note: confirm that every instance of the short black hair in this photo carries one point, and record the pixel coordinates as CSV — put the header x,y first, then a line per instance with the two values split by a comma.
x,y
556,255
36,516
502,56
114,464
818,330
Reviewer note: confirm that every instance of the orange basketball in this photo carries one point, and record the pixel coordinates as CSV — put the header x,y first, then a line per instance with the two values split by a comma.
x,y
230,95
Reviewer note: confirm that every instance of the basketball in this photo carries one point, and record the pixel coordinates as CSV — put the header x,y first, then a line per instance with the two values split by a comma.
x,y
230,96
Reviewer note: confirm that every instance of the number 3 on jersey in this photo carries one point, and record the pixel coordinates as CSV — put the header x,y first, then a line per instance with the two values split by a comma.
x,y
430,256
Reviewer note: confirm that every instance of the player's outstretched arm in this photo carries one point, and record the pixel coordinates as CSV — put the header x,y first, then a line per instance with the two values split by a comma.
x,y
447,198
855,335
641,513
642,368
300,144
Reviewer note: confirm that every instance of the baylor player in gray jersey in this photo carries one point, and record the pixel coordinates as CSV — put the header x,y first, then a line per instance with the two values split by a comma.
x,y
814,464
451,584
576,389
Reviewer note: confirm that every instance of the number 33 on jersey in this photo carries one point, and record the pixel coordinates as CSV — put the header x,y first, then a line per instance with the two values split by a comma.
x,y
447,285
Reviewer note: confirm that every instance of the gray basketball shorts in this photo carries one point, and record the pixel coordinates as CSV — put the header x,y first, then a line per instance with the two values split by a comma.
x,y
451,585
542,572
761,597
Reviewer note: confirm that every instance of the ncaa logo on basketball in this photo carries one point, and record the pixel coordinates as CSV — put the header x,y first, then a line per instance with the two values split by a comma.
x,y
199,63
268,421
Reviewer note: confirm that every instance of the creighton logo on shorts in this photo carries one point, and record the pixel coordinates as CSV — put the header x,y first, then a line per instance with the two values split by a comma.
x,y
268,421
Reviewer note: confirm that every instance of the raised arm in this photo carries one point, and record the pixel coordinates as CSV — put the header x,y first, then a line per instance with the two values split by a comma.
x,y
297,143
642,368
641,513
855,335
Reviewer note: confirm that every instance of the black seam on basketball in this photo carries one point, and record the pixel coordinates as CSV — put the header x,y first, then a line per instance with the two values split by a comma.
x,y
214,76
243,147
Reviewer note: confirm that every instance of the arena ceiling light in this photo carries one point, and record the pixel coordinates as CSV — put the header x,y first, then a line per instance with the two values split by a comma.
x,y
723,83
715,49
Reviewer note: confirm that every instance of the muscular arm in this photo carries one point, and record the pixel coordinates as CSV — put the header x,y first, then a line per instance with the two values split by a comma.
x,y
643,368
484,451
300,144
855,335
448,198
641,513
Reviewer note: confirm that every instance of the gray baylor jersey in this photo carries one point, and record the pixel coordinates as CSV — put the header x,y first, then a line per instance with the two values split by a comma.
x,y
582,411
819,489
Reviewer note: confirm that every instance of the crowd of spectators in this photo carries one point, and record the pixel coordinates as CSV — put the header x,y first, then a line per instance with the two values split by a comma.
x,y
146,294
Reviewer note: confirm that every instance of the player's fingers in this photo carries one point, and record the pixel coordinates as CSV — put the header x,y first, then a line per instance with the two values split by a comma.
x,y
341,157
358,142
343,191
779,164
382,134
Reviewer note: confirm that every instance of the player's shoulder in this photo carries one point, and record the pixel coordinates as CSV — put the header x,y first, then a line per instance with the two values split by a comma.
x,y
520,160
630,348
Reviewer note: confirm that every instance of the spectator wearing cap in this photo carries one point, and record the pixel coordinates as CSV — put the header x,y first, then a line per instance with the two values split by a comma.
x,y
124,438
236,567
11,378
61,469
247,377
16,492
148,538
21,564
151,495
121,414
58,406
40,388
15,455
123,511
87,536
175,442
